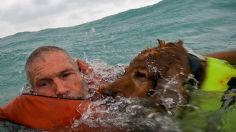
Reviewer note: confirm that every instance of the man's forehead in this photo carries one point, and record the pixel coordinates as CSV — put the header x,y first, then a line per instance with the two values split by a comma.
x,y
51,61
53,58
52,55
40,74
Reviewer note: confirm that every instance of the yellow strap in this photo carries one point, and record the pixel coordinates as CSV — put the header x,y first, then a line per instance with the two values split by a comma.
x,y
218,73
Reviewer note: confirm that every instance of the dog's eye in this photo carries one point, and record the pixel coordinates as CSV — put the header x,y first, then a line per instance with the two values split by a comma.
x,y
140,74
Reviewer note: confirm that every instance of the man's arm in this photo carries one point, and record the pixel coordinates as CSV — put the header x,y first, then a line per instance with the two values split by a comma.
x,y
229,56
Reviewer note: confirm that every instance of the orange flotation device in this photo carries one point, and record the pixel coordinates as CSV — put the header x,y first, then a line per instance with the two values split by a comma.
x,y
45,113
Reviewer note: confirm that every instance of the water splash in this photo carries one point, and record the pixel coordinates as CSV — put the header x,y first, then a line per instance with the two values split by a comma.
x,y
131,114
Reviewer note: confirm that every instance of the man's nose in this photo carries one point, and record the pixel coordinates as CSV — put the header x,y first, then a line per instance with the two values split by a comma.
x,y
60,87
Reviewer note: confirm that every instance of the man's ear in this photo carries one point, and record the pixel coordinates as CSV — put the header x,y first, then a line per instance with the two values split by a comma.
x,y
161,43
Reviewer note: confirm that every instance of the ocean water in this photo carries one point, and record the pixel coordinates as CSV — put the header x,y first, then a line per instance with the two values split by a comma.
x,y
205,26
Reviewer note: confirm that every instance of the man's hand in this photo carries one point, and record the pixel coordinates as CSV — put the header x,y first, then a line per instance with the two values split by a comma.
x,y
84,67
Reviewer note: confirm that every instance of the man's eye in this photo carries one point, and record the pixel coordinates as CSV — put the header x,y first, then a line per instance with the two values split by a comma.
x,y
43,84
65,75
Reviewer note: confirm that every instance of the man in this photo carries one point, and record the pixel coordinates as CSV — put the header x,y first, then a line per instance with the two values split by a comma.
x,y
52,72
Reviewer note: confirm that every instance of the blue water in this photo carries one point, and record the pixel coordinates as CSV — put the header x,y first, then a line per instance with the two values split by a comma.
x,y
205,26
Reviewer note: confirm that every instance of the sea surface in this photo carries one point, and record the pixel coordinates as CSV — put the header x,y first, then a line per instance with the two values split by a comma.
x,y
204,26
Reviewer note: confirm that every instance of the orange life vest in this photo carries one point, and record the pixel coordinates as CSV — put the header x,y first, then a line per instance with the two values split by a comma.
x,y
45,113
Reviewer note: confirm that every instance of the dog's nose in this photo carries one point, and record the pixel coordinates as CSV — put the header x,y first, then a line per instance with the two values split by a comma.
x,y
109,92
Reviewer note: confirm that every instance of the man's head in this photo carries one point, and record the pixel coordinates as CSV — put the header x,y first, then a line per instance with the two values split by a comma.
x,y
52,72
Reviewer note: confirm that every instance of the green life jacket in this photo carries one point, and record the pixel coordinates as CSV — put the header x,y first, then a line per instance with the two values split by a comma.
x,y
218,73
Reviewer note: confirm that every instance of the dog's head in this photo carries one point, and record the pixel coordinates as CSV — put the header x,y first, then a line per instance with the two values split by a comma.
x,y
157,73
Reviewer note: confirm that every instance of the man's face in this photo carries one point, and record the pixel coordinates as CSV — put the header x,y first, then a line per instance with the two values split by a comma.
x,y
54,74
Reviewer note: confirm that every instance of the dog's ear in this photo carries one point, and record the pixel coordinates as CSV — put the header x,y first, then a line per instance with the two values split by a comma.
x,y
180,43
161,43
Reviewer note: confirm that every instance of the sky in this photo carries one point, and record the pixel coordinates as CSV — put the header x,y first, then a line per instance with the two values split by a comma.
x,y
34,15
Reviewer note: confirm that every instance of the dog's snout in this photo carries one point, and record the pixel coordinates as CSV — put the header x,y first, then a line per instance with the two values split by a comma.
x,y
109,92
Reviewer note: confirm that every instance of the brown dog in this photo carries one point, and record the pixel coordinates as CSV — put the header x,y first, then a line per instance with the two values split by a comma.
x,y
157,73
160,74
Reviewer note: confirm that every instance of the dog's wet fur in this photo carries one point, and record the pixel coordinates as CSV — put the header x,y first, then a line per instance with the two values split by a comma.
x,y
157,73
